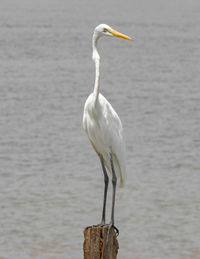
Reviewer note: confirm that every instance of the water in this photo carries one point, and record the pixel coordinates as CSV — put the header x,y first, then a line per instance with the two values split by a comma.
x,y
51,184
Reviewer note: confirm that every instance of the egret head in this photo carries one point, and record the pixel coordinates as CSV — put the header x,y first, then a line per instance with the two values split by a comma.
x,y
105,30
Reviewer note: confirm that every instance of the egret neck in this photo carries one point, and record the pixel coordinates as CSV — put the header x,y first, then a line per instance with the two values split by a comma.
x,y
96,58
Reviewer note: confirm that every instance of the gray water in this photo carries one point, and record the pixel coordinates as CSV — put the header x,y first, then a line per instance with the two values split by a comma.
x,y
51,184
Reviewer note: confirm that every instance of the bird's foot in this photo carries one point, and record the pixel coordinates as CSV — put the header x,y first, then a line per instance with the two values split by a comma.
x,y
108,233
117,230
100,225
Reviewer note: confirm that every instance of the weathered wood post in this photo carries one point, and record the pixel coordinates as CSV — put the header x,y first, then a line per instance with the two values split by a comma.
x,y
95,246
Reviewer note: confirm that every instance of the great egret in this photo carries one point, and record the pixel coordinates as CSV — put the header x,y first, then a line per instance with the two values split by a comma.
x,y
103,126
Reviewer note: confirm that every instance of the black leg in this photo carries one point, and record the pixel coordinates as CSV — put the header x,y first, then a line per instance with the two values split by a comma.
x,y
106,181
114,183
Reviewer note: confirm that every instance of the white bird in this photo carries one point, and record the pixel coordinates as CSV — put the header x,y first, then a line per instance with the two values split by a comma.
x,y
103,126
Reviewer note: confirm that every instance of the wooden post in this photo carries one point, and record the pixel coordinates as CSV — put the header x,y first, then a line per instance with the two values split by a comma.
x,y
95,246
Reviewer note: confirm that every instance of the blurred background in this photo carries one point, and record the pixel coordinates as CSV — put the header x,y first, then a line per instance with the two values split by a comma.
x,y
51,183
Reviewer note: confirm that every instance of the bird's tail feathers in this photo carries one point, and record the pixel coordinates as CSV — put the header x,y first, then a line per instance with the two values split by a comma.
x,y
120,171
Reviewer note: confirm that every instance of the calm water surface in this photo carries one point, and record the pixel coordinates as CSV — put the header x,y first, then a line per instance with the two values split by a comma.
x,y
51,183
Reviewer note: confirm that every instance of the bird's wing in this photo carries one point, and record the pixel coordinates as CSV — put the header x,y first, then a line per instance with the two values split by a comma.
x,y
104,129
111,126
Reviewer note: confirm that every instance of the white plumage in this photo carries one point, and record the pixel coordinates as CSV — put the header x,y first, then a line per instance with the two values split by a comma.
x,y
103,126
104,129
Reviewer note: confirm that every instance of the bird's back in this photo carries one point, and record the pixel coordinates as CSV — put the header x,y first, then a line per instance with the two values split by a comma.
x,y
104,129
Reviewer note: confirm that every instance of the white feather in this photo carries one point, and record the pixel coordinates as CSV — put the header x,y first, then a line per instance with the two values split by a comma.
x,y
104,129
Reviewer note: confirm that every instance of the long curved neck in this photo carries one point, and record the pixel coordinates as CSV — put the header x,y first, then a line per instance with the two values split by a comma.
x,y
96,58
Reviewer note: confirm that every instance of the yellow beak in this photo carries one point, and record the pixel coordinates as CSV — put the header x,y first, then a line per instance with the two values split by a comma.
x,y
118,34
